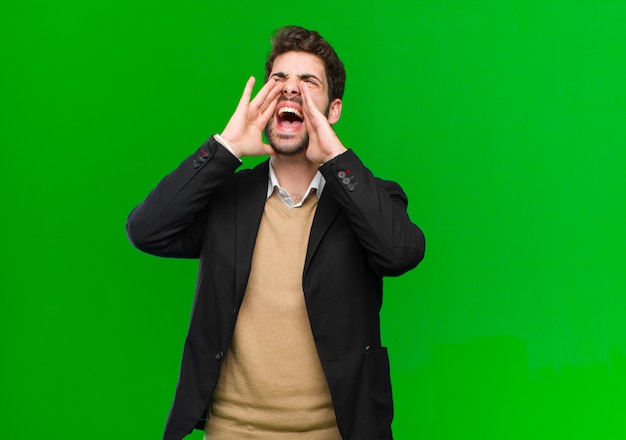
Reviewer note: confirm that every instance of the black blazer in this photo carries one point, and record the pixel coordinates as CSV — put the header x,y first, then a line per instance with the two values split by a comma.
x,y
360,233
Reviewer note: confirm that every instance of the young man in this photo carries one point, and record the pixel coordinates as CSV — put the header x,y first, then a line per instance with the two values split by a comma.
x,y
284,339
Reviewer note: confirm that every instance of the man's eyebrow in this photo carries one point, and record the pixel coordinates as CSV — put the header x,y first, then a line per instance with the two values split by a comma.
x,y
301,76
309,76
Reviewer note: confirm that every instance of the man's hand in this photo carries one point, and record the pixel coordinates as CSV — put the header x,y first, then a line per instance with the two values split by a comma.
x,y
243,133
323,141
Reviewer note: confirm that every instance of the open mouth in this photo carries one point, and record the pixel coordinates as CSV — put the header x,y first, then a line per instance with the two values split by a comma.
x,y
289,117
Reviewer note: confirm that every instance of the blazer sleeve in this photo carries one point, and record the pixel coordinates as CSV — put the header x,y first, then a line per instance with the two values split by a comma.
x,y
168,223
377,210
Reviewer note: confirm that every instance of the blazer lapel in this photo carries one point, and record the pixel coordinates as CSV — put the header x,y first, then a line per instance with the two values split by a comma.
x,y
251,197
327,210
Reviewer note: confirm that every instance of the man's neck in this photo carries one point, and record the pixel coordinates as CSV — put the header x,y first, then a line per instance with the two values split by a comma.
x,y
294,173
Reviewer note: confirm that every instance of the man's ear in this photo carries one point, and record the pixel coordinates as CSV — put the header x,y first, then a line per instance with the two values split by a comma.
x,y
334,111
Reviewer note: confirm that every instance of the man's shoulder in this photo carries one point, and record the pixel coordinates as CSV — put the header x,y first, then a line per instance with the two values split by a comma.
x,y
245,178
261,168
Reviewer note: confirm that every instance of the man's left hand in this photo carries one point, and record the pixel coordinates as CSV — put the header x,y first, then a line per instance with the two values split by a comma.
x,y
323,141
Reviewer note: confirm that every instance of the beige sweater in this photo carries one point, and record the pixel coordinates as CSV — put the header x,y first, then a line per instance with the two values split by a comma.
x,y
271,385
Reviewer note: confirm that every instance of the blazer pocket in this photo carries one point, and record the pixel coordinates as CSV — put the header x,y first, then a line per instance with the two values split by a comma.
x,y
378,375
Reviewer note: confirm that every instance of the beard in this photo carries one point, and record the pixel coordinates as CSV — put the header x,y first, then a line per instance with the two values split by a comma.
x,y
286,144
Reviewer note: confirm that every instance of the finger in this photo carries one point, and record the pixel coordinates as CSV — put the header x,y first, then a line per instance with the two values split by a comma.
x,y
307,101
305,92
263,118
306,96
266,110
311,112
272,97
247,92
260,101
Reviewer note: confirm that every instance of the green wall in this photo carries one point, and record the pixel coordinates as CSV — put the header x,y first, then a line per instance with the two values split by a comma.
x,y
503,120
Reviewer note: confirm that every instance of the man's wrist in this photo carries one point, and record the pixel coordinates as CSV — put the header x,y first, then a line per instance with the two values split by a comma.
x,y
225,144
334,154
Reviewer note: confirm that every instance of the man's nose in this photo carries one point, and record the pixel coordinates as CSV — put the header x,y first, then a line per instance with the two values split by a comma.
x,y
291,87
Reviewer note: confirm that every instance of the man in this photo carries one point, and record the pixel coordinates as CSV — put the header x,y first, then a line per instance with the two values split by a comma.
x,y
284,339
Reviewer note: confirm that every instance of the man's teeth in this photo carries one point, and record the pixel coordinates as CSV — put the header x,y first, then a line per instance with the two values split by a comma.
x,y
290,110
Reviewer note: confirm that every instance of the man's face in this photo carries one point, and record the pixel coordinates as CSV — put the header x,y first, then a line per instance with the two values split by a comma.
x,y
286,131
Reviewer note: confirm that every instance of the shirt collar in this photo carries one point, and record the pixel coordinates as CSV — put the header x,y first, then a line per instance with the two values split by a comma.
x,y
316,184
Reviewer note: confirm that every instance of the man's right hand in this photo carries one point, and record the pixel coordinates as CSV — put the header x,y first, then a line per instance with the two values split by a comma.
x,y
243,133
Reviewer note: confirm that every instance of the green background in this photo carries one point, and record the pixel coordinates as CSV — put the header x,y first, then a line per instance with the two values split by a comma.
x,y
503,120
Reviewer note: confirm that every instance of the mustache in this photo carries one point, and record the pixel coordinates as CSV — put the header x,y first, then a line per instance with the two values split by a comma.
x,y
290,99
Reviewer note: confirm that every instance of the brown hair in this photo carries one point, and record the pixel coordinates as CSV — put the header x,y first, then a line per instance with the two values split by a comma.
x,y
296,38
